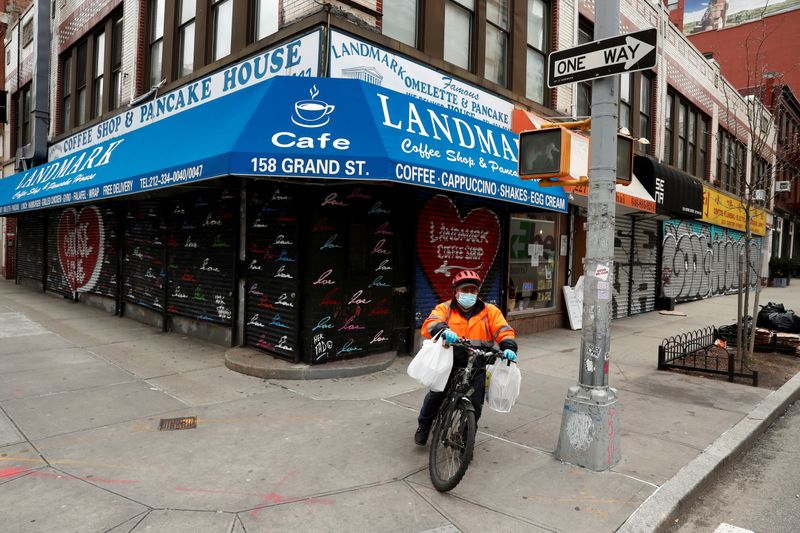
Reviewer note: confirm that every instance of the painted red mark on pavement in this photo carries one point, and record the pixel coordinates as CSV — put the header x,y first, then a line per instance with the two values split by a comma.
x,y
13,471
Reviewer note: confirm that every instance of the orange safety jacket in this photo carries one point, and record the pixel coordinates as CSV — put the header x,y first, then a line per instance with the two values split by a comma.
x,y
487,325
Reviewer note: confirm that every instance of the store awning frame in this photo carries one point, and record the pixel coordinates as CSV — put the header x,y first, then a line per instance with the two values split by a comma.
x,y
676,193
291,127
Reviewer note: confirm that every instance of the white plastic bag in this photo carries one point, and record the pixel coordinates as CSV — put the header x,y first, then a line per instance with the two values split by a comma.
x,y
504,382
432,364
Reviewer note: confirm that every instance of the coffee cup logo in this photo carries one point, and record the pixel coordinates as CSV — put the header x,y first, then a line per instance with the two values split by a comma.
x,y
312,113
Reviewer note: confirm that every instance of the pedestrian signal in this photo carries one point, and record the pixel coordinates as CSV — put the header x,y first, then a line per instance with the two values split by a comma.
x,y
624,159
544,153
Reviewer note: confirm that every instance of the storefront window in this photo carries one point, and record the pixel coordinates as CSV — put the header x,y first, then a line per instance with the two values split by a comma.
x,y
533,253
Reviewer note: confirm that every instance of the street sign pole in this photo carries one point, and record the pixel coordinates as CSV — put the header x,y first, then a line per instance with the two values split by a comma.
x,y
589,435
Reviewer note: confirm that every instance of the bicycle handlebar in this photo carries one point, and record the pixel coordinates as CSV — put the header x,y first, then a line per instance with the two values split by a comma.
x,y
484,351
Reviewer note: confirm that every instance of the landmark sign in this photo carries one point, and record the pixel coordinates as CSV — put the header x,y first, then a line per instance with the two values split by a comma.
x,y
606,57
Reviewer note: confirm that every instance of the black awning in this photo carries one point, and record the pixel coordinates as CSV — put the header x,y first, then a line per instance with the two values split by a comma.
x,y
676,193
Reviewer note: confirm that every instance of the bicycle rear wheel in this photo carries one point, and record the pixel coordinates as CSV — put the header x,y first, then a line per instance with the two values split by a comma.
x,y
451,449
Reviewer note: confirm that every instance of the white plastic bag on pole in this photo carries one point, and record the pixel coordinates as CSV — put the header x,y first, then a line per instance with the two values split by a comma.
x,y
432,364
504,383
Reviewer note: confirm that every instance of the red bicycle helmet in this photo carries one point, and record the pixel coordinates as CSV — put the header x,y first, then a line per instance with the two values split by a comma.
x,y
467,276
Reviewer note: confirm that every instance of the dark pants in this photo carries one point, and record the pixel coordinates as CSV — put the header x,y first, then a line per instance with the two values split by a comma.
x,y
433,400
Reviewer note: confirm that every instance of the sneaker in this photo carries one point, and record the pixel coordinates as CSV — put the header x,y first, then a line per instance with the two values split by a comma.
x,y
421,436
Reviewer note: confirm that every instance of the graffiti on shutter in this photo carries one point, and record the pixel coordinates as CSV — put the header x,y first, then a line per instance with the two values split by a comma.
x,y
351,251
455,233
201,254
76,250
702,260
645,262
143,252
622,266
30,243
271,269
62,252
107,277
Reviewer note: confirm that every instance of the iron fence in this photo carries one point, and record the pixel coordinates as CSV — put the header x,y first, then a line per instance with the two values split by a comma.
x,y
698,351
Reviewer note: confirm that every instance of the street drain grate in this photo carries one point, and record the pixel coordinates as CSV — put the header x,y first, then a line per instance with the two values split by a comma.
x,y
172,424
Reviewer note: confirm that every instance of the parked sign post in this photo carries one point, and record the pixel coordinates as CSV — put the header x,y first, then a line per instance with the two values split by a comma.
x,y
606,57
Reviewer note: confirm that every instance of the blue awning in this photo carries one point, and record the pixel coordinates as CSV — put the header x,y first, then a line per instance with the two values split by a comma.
x,y
290,127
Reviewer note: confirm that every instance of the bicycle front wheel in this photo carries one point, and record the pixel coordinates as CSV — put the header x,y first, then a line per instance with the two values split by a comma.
x,y
451,449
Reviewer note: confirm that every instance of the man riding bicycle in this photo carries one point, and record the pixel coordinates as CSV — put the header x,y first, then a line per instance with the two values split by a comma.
x,y
481,323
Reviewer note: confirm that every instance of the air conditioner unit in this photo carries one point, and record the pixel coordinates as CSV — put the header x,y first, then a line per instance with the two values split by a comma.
x,y
783,186
760,195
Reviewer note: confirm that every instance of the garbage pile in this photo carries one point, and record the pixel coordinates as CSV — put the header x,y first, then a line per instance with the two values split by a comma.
x,y
775,317
776,330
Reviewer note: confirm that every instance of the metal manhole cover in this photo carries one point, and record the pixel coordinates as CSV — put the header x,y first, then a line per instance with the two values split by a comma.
x,y
171,424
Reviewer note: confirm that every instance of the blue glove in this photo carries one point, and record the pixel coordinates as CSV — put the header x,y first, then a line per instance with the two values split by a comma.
x,y
450,336
510,355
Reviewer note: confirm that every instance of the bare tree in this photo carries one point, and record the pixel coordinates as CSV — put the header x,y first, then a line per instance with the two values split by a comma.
x,y
748,112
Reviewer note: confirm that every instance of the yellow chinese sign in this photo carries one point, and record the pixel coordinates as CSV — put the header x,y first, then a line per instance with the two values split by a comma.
x,y
728,212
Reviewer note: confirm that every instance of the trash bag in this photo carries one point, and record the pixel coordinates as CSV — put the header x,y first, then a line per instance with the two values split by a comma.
x,y
728,333
504,383
775,317
432,364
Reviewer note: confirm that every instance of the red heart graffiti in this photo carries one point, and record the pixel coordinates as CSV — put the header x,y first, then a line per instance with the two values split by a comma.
x,y
80,247
446,243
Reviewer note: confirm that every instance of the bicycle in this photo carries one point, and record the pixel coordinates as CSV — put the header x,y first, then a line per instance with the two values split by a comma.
x,y
455,425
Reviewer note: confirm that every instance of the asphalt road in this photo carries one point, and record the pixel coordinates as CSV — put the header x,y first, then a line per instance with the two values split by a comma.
x,y
759,492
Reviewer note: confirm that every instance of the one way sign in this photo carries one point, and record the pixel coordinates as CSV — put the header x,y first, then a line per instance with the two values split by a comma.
x,y
607,57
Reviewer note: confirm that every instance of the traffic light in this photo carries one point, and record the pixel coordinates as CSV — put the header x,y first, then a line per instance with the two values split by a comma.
x,y
624,159
544,153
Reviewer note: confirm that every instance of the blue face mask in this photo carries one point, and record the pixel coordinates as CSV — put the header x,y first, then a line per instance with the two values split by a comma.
x,y
466,300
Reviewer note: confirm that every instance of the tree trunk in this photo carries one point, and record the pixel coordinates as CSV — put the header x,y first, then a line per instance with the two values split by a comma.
x,y
739,319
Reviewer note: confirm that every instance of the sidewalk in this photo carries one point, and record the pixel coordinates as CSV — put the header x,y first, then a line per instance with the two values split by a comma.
x,y
82,393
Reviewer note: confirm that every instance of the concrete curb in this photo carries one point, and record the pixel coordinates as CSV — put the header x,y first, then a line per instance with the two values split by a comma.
x,y
254,363
658,511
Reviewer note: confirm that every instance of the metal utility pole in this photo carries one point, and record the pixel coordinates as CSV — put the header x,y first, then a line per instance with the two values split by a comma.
x,y
589,434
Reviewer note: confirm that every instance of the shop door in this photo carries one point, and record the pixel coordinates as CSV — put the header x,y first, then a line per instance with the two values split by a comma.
x,y
30,246
143,255
201,253
271,269
352,263
644,268
454,233
623,246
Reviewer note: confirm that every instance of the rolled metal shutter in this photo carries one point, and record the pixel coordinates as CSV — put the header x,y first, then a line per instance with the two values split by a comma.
x,y
456,232
143,252
201,252
30,245
271,270
106,284
644,268
58,233
701,260
623,241
351,252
